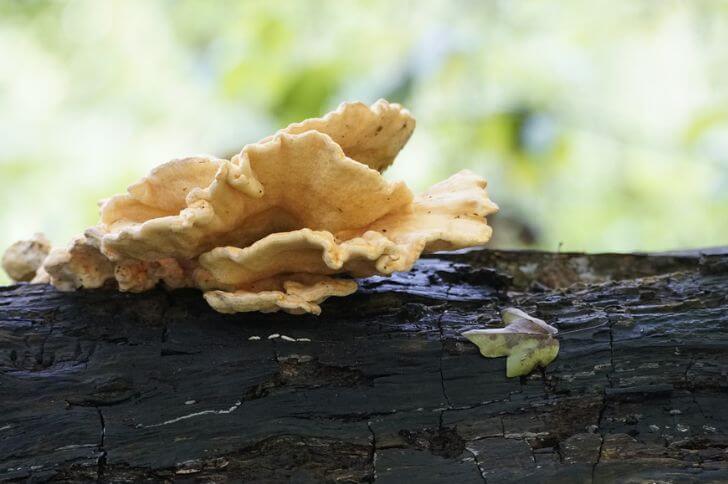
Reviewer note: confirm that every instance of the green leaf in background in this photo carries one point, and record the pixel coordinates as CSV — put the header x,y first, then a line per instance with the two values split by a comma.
x,y
307,93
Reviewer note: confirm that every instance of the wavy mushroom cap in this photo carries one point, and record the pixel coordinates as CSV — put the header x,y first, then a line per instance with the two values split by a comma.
x,y
284,224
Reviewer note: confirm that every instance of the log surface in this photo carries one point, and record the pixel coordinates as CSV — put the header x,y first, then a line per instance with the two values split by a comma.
x,y
99,385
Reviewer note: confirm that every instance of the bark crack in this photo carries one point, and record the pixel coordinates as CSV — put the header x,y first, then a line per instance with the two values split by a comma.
x,y
274,348
441,330
225,411
603,408
373,451
599,458
101,461
601,435
477,465
610,373
41,353
442,355
84,361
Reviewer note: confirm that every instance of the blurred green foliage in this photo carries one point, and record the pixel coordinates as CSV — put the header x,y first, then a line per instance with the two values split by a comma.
x,y
600,125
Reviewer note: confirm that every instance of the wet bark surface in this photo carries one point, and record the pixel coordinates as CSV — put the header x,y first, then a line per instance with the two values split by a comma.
x,y
98,385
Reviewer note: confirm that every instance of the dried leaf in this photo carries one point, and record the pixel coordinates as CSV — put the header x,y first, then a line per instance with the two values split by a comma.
x,y
527,341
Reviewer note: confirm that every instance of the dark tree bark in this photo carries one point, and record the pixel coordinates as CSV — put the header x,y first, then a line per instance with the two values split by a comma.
x,y
154,386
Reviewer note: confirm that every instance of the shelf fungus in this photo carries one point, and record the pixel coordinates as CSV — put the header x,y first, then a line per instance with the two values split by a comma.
x,y
283,225
22,260
528,342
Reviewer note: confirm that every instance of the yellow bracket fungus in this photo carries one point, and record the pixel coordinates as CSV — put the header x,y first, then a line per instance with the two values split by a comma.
x,y
284,224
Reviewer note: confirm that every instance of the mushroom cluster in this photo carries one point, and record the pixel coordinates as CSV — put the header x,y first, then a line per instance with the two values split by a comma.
x,y
283,225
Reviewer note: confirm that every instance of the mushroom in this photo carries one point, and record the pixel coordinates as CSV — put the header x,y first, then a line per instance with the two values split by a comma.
x,y
22,260
372,135
289,182
284,224
451,215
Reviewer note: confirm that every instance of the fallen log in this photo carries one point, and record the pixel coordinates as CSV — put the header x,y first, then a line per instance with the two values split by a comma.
x,y
101,385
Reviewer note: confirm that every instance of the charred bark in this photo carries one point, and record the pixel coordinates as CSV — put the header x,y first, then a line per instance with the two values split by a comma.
x,y
98,385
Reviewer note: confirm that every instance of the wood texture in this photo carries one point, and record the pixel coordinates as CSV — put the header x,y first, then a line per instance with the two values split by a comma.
x,y
154,386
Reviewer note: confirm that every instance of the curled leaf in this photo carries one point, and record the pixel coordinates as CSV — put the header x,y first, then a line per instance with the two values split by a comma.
x,y
527,341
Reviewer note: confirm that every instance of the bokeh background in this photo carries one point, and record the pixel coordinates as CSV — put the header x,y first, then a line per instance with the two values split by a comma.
x,y
600,125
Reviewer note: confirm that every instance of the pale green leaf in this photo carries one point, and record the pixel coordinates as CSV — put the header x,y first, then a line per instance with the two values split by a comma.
x,y
528,342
